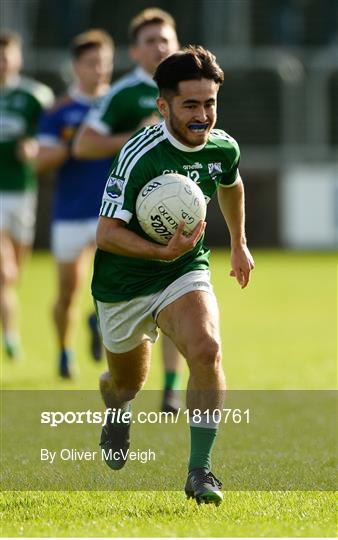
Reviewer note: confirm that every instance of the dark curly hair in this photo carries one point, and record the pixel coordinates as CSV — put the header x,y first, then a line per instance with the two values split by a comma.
x,y
191,63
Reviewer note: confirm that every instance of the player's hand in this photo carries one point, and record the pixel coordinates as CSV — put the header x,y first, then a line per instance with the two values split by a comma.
x,y
27,150
181,243
241,264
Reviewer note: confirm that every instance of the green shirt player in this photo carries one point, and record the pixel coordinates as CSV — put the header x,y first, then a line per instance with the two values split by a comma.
x,y
21,103
131,104
140,285
152,152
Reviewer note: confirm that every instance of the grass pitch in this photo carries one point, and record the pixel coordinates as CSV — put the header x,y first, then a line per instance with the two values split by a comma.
x,y
280,333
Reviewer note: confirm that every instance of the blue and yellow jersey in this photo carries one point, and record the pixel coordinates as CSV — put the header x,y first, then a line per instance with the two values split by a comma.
x,y
80,182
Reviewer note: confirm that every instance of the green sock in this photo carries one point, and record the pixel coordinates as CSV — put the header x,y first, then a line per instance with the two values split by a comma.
x,y
12,345
202,441
172,380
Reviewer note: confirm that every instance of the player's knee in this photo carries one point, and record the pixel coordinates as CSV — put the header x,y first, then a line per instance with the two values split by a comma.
x,y
122,391
206,352
124,388
106,382
9,273
66,296
127,394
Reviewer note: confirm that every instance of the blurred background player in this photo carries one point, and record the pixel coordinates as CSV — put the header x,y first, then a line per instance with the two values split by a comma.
x,y
79,184
130,105
22,101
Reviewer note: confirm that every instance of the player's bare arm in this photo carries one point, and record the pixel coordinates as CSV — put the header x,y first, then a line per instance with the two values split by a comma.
x,y
51,157
231,202
113,236
90,144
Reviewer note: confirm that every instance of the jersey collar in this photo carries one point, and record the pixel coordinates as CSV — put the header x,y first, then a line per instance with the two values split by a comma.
x,y
12,83
144,77
76,95
178,144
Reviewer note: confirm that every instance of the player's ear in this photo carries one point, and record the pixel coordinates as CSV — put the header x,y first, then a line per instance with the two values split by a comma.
x,y
163,106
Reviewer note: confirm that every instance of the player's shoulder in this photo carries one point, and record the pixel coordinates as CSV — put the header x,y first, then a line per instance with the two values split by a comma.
x,y
144,140
123,85
222,138
224,141
139,149
38,91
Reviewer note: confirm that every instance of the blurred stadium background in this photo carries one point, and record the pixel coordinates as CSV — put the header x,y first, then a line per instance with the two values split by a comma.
x,y
279,100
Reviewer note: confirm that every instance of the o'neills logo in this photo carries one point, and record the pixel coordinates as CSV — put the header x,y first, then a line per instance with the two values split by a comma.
x,y
192,167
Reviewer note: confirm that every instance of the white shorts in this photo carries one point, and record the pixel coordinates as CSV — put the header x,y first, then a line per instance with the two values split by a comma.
x,y
18,215
125,325
70,238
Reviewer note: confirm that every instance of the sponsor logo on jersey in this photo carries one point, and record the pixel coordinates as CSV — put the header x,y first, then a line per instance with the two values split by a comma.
x,y
195,165
215,168
12,126
114,187
147,102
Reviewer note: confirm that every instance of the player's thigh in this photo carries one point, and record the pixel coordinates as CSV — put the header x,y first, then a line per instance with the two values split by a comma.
x,y
8,263
71,275
18,212
127,324
131,368
192,322
21,252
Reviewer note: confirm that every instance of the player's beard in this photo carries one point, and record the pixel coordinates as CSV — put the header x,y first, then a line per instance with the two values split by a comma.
x,y
180,130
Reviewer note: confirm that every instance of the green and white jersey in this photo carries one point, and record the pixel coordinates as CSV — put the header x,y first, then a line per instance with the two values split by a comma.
x,y
151,152
128,102
21,104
